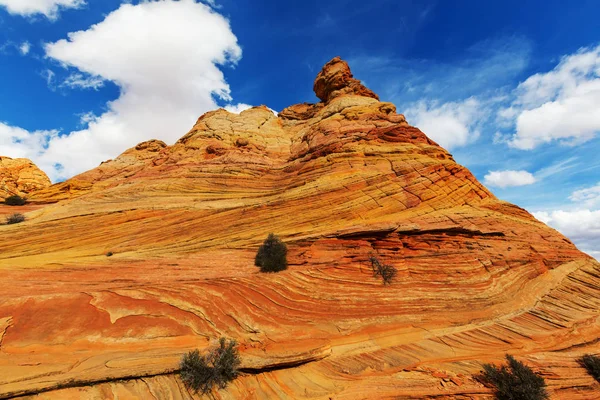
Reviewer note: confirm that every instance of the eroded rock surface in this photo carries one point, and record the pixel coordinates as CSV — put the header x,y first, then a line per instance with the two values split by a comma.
x,y
339,181
21,177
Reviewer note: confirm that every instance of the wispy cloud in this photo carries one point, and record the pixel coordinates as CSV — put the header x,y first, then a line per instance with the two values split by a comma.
x,y
23,47
589,197
556,168
450,102
50,78
77,80
483,70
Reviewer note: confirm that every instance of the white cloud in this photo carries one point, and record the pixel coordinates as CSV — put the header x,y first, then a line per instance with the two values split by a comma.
x,y
212,3
24,47
76,80
451,124
589,197
49,8
49,77
163,56
580,223
504,179
594,253
556,168
560,105
237,108
582,226
17,142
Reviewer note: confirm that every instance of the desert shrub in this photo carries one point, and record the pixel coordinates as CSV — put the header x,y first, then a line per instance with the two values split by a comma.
x,y
515,382
15,201
387,272
217,368
271,255
109,254
592,364
15,219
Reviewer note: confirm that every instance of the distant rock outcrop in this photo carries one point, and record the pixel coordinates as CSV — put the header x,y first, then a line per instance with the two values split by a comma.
x,y
20,176
339,181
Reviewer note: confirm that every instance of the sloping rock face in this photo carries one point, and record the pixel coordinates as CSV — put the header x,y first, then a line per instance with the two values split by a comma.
x,y
20,177
339,181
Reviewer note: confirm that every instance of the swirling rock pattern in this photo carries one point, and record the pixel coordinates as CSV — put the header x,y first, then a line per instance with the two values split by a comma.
x,y
21,177
339,181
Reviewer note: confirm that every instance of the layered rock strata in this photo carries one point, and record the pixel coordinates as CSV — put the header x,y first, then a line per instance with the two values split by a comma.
x,y
339,181
20,177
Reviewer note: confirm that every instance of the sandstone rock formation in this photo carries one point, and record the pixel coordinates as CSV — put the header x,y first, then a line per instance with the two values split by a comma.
x,y
335,79
20,177
340,181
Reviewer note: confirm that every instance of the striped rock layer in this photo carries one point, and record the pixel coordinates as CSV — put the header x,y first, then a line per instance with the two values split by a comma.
x,y
339,181
20,177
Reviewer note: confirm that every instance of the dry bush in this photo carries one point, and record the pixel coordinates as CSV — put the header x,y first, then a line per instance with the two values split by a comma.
x,y
15,219
216,368
592,364
515,382
387,272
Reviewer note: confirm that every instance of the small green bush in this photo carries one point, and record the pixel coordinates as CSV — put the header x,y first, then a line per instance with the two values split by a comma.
x,y
217,368
15,219
15,201
387,272
517,382
271,255
592,364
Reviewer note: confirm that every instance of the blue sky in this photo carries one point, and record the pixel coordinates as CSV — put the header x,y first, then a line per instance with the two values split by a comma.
x,y
511,88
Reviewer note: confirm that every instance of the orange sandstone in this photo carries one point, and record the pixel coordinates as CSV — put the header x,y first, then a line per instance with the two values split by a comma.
x,y
339,181
20,177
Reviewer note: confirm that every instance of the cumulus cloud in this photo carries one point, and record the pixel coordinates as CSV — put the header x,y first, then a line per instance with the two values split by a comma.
x,y
16,142
164,57
451,124
579,222
504,179
582,226
560,105
49,8
24,48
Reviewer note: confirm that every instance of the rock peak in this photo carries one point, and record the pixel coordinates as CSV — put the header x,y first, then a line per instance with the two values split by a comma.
x,y
336,79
